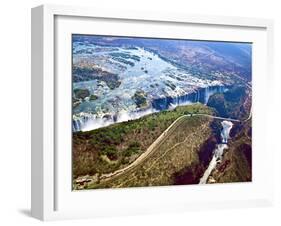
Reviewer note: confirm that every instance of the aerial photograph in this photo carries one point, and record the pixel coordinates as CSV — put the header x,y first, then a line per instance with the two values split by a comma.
x,y
160,112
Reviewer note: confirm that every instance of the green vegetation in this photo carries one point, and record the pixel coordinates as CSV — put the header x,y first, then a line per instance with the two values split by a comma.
x,y
110,152
93,97
133,148
112,84
140,98
237,161
121,60
81,93
179,149
82,73
85,73
125,56
218,102
231,103
235,94
122,142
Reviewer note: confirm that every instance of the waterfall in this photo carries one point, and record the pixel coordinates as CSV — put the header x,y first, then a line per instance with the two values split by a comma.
x,y
79,121
90,121
201,95
218,152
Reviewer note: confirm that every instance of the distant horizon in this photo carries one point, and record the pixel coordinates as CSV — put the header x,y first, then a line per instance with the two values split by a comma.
x,y
227,49
159,111
155,38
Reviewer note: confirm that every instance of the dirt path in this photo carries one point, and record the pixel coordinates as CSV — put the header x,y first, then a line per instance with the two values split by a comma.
x,y
143,156
159,140
106,177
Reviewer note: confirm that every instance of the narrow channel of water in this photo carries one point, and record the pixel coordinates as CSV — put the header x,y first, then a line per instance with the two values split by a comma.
x,y
218,152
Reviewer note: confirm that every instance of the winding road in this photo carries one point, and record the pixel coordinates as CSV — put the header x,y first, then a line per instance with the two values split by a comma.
x,y
146,153
159,140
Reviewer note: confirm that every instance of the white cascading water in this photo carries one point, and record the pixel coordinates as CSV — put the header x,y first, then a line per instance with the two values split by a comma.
x,y
92,122
218,152
88,121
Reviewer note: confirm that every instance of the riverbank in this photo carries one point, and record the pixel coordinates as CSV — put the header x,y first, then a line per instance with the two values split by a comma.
x,y
218,152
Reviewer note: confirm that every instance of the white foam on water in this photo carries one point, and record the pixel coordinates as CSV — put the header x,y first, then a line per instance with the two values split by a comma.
x,y
218,152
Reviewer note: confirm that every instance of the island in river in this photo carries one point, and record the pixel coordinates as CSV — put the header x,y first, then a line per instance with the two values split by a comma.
x,y
152,112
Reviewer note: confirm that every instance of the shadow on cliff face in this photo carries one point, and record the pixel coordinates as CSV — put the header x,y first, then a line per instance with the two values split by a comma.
x,y
230,104
189,175
246,149
192,174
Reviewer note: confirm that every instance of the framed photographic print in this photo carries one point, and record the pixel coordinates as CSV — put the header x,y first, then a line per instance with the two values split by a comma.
x,y
136,112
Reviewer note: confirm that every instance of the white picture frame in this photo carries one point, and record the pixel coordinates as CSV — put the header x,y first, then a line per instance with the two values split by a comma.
x,y
46,188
